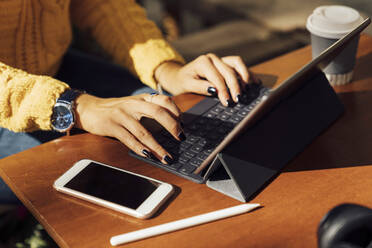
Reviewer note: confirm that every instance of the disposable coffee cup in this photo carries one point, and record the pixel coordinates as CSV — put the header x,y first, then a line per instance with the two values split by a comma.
x,y
327,24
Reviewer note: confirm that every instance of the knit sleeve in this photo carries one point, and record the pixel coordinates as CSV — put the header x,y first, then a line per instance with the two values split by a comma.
x,y
123,31
26,100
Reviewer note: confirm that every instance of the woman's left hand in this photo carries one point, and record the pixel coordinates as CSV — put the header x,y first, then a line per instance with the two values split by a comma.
x,y
206,75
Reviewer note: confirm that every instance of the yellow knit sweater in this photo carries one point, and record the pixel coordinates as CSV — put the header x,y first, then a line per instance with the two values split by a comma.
x,y
35,34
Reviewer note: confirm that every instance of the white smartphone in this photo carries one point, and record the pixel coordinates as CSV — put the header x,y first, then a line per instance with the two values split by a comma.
x,y
114,188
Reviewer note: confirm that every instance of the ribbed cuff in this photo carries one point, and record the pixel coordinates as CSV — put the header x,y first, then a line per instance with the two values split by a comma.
x,y
148,56
26,100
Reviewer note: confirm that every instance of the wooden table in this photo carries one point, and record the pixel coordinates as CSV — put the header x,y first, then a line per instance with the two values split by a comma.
x,y
335,168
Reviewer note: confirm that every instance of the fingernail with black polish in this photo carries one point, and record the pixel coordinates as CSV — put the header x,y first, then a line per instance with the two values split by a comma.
x,y
212,91
147,153
238,98
181,136
168,159
229,103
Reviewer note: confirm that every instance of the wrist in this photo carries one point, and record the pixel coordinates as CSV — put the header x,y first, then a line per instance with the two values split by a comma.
x,y
81,105
166,74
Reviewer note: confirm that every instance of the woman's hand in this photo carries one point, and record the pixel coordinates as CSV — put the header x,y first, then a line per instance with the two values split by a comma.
x,y
120,118
206,75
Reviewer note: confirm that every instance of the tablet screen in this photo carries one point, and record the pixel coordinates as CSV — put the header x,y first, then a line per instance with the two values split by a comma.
x,y
113,185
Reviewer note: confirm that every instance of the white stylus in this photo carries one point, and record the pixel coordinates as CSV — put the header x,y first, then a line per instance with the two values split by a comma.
x,y
180,224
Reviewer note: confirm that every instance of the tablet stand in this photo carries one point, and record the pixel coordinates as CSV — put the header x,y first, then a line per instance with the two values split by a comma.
x,y
259,153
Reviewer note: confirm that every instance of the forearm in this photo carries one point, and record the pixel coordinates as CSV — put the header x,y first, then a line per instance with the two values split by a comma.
x,y
26,100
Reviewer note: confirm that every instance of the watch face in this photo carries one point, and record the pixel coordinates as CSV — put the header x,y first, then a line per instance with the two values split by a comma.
x,y
62,118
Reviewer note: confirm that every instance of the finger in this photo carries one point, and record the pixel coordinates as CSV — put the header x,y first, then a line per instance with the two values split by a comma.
x,y
237,63
207,70
165,102
164,117
129,140
229,75
201,86
146,138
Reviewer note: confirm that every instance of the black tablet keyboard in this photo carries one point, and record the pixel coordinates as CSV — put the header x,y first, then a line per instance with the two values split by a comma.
x,y
205,126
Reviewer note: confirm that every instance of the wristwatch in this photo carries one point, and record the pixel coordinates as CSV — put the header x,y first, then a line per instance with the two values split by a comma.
x,y
63,117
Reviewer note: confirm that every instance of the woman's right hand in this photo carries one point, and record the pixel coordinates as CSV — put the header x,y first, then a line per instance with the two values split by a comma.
x,y
120,118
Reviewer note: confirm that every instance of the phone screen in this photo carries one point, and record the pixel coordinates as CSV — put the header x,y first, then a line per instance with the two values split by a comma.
x,y
113,185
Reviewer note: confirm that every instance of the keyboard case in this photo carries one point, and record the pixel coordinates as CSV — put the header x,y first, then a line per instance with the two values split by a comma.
x,y
260,153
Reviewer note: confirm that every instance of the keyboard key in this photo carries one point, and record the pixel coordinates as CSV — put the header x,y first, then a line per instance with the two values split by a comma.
x,y
238,106
173,166
235,120
192,139
187,169
184,146
202,156
249,107
210,115
202,142
196,148
243,113
223,116
230,111
208,151
189,154
183,160
217,109
196,162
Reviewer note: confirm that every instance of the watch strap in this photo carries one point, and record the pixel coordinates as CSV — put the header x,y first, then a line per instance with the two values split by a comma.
x,y
67,99
69,95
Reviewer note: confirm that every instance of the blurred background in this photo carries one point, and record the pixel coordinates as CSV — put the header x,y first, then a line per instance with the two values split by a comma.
x,y
256,30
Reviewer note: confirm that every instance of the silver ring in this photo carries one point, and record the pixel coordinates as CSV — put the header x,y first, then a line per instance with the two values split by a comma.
x,y
152,95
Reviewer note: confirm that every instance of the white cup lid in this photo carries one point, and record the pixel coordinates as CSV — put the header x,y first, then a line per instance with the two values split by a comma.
x,y
333,21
